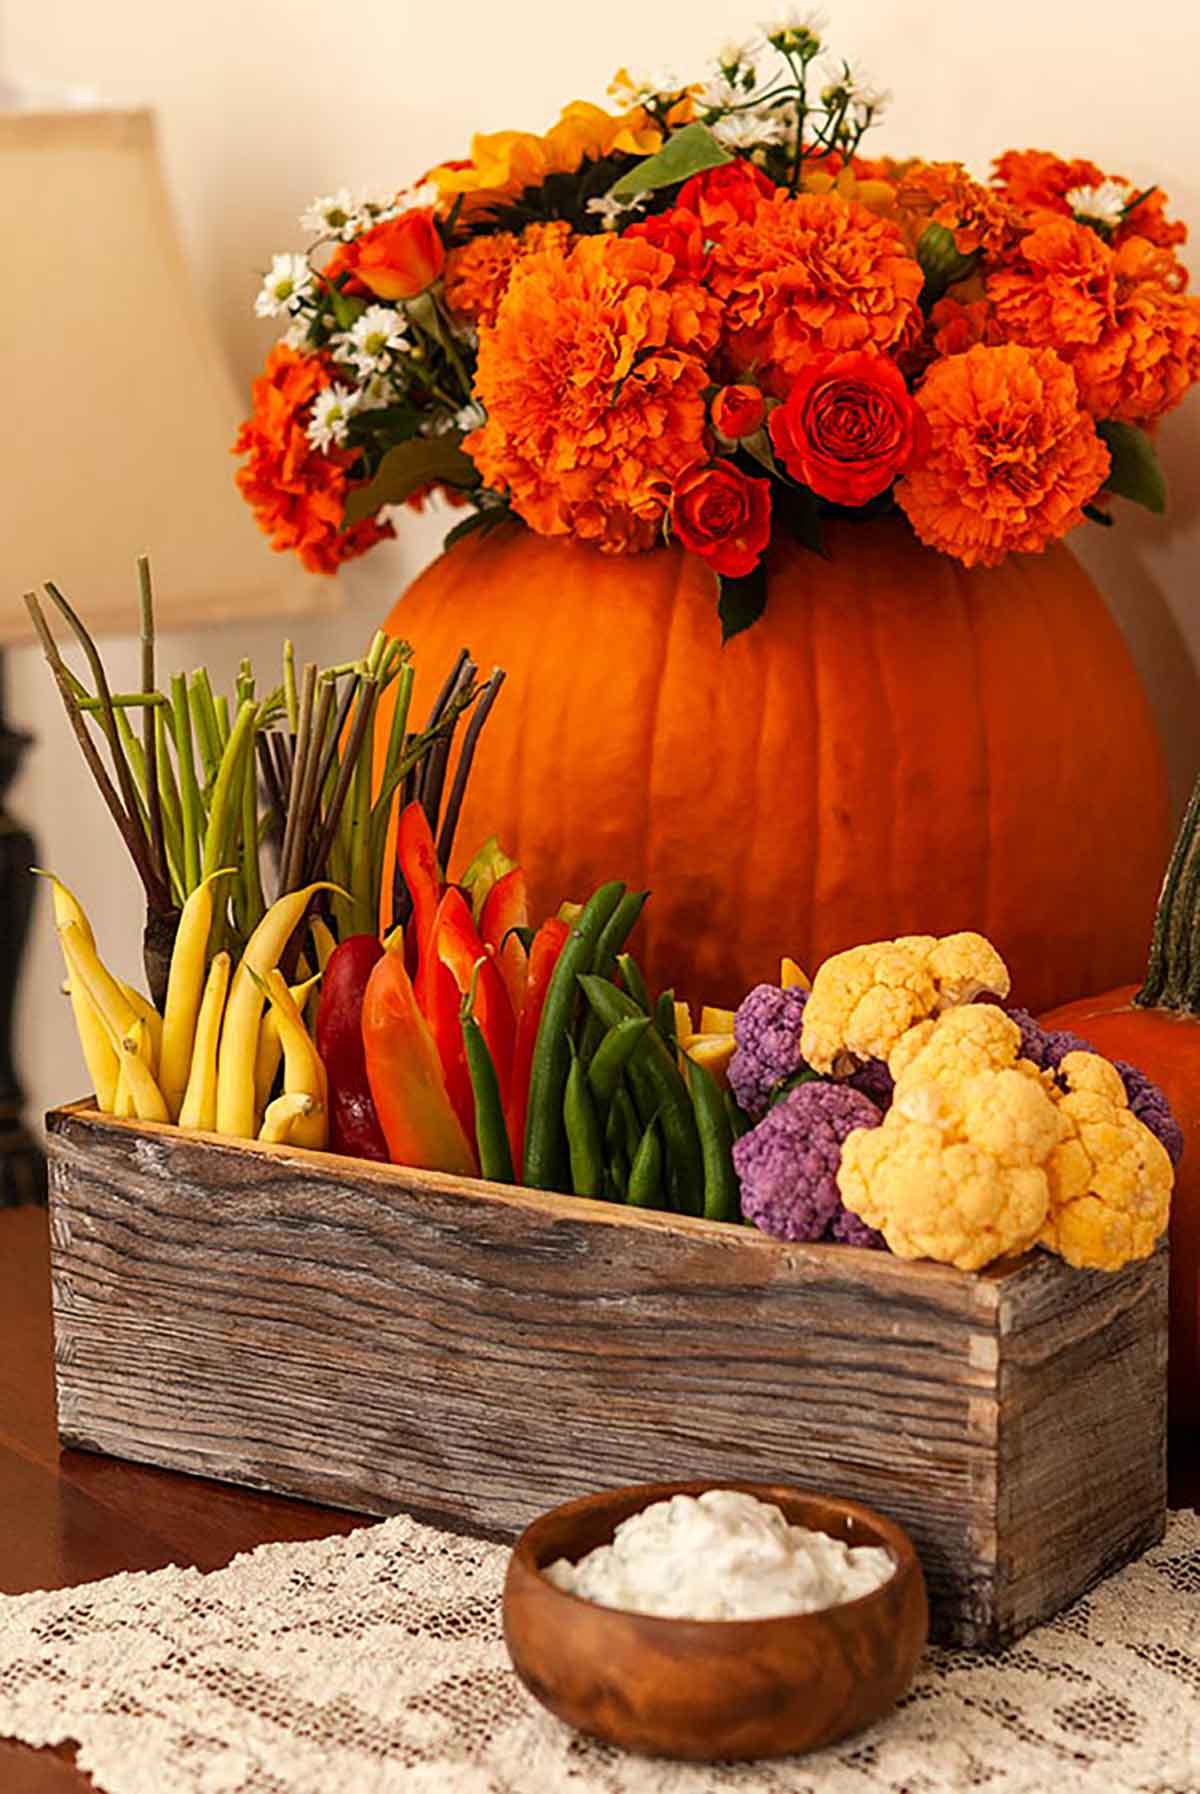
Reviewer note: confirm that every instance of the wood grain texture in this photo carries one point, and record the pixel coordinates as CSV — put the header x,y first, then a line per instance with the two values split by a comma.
x,y
383,1339
713,1691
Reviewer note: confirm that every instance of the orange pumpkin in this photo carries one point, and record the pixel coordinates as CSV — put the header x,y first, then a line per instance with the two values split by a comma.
x,y
897,745
1157,1027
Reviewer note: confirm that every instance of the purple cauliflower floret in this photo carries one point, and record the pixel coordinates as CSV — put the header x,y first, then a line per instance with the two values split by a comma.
x,y
874,1080
848,1230
1048,1047
1149,1103
766,1030
787,1166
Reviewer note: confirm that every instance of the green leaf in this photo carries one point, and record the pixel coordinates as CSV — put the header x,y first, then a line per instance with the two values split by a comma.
x,y
477,523
1135,473
799,510
408,467
685,153
742,601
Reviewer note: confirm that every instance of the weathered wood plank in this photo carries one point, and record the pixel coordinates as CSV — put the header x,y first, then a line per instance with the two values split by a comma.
x,y
380,1339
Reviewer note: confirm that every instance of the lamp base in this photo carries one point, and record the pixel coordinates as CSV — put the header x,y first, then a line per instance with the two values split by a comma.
x,y
22,1162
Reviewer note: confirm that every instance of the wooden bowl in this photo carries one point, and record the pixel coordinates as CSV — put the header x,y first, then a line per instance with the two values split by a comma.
x,y
712,1690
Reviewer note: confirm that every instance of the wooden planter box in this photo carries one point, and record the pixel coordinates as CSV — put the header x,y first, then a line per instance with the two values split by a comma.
x,y
382,1339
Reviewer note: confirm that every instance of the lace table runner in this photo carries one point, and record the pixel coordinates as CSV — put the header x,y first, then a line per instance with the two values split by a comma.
x,y
374,1664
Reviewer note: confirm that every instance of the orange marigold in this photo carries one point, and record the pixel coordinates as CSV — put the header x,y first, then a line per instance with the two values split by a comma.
x,y
1037,181
1133,341
1150,354
807,273
478,272
1058,289
297,493
1013,457
593,379
944,193
958,324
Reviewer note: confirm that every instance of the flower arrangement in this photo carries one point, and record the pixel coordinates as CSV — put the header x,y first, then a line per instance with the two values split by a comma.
x,y
707,315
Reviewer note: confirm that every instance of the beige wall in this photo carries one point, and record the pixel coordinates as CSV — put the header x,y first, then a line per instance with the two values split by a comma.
x,y
265,102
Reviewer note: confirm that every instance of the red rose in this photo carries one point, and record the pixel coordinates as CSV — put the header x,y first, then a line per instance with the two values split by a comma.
x,y
722,516
738,411
396,259
725,195
849,427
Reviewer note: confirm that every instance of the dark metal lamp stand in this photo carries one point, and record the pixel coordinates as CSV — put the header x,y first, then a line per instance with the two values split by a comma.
x,y
22,1162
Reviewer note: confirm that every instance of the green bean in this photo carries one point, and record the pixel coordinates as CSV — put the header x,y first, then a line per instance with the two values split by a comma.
x,y
739,1123
544,1131
634,983
616,1178
645,1174
626,1129
658,1089
664,1017
721,1197
584,1143
608,1061
613,936
491,1133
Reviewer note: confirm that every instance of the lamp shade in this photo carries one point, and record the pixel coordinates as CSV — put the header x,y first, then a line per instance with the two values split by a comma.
x,y
119,409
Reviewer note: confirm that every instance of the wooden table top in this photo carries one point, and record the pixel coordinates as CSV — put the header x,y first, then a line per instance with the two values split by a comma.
x,y
68,1517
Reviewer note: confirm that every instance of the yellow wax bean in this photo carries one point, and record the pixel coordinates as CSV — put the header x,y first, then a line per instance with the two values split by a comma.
x,y
270,1048
185,986
303,1069
243,1012
287,1115
323,940
146,1012
148,1103
199,1106
99,1054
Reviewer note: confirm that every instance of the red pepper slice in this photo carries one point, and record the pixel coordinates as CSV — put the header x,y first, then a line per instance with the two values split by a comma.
x,y
506,907
457,945
353,1124
405,1074
548,943
418,859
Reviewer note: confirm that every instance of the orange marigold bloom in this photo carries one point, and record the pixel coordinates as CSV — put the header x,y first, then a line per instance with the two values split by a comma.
x,y
593,379
1012,460
1058,289
478,272
1150,354
1039,181
944,193
1132,340
808,273
958,324
297,493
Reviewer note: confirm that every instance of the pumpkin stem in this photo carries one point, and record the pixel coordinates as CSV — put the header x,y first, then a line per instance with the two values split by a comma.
x,y
1173,969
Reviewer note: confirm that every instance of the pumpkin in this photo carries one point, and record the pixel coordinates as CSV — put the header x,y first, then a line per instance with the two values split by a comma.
x,y
1156,1026
898,745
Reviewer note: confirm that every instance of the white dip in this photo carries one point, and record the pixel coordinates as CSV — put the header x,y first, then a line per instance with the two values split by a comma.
x,y
721,1556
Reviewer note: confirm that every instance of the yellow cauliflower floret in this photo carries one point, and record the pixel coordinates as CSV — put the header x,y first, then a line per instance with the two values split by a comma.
x,y
1110,1178
978,1037
865,999
958,1170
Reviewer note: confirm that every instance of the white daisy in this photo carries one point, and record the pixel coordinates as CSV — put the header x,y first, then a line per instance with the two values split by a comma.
x,y
378,391
612,211
1104,205
471,417
289,281
296,334
734,59
797,31
641,88
372,339
331,413
338,214
750,130
847,84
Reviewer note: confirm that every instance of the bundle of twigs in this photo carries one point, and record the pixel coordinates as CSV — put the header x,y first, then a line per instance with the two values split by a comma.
x,y
205,783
